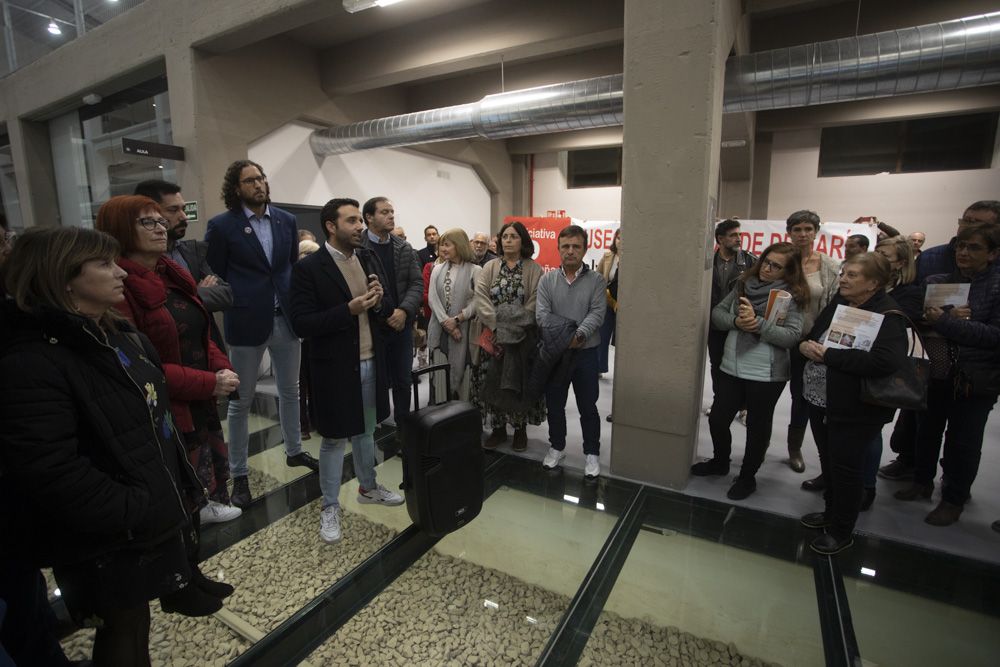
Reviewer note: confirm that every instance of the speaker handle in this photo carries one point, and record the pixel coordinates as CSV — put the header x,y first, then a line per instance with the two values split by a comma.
x,y
427,370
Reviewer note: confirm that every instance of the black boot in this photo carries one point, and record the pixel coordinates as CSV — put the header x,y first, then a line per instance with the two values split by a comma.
x,y
217,589
241,496
867,500
815,484
795,437
710,467
190,601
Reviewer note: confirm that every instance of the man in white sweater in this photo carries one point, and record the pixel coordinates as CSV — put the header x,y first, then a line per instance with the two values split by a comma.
x,y
577,293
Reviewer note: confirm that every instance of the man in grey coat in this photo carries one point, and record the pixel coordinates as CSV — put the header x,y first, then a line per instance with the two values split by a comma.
x,y
405,286
577,293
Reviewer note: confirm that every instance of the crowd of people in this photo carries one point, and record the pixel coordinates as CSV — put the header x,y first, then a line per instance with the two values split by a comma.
x,y
755,352
113,369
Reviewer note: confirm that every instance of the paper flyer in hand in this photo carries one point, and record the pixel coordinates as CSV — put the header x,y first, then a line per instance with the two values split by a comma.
x,y
940,295
778,302
853,329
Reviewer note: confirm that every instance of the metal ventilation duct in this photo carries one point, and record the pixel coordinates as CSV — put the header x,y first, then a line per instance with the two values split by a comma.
x,y
942,56
560,107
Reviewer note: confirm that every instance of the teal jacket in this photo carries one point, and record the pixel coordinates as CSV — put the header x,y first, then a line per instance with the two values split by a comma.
x,y
768,360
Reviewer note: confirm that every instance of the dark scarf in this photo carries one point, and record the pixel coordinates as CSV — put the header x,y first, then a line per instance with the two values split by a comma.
x,y
757,293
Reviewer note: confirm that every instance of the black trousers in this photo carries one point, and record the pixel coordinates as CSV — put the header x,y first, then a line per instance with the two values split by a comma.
x,y
27,631
962,422
842,447
716,348
123,639
759,398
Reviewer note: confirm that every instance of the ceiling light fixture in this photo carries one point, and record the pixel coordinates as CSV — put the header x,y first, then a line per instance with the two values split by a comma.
x,y
354,6
54,28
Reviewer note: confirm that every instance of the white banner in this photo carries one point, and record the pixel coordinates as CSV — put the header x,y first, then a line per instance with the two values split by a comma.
x,y
756,236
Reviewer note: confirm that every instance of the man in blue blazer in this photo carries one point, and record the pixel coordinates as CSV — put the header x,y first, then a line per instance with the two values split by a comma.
x,y
252,246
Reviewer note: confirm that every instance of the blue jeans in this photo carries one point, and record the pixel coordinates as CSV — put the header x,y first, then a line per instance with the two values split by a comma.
x,y
586,389
399,362
286,353
873,456
331,450
607,333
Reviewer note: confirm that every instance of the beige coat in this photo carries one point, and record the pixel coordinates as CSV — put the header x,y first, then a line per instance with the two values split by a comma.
x,y
486,314
604,266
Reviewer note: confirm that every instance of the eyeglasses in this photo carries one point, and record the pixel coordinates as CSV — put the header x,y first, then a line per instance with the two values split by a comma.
x,y
768,264
970,247
254,180
151,223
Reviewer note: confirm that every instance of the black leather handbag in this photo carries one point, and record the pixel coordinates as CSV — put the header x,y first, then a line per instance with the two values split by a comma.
x,y
906,389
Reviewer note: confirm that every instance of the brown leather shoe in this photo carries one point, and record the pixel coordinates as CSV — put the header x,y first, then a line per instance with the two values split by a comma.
x,y
520,439
914,491
944,514
496,438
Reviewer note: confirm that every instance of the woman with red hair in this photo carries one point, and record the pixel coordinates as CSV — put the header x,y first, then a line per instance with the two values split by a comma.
x,y
161,298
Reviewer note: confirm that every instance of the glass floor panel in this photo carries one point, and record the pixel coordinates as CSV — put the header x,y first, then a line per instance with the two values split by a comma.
x,y
686,596
275,571
493,591
899,628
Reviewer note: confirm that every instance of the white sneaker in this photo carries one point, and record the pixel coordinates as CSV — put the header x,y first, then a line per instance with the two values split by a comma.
x,y
215,512
329,525
553,459
379,496
593,467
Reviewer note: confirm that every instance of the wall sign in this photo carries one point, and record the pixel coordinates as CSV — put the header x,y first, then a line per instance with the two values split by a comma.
x,y
149,149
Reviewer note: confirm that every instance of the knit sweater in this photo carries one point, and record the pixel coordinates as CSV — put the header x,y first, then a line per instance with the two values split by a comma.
x,y
582,301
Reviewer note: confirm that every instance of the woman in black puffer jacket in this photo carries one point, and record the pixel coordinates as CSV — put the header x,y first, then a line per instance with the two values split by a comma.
x,y
95,482
842,424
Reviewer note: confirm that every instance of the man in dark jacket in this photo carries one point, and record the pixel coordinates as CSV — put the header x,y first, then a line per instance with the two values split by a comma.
x,y
405,287
429,253
337,302
941,258
730,261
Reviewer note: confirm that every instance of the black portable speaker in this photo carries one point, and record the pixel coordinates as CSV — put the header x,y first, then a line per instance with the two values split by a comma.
x,y
443,464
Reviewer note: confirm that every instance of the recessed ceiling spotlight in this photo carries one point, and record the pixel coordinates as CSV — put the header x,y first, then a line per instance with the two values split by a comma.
x,y
53,28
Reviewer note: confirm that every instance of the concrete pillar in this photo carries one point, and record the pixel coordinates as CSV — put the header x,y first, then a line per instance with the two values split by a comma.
x,y
675,56
31,154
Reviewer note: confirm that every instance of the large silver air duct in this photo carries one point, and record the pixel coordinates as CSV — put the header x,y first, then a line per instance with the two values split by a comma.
x,y
560,107
941,56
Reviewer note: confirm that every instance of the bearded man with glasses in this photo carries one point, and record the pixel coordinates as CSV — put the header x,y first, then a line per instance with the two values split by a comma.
x,y
252,246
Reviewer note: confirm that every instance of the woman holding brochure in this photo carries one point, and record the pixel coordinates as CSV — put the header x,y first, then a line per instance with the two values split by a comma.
x,y
763,315
842,424
965,375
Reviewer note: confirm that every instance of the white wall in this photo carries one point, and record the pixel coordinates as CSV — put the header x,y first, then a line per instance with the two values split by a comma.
x,y
551,193
424,190
930,202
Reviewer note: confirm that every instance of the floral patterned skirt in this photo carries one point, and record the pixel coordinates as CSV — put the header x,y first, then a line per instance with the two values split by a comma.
x,y
497,418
